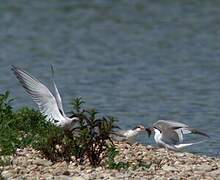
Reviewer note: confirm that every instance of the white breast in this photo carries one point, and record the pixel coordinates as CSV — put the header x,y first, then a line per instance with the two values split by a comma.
x,y
157,136
130,133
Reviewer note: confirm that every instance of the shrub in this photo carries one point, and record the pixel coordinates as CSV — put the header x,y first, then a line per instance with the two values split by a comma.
x,y
9,140
6,113
90,139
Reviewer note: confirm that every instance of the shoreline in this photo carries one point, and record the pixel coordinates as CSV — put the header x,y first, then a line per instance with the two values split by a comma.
x,y
145,162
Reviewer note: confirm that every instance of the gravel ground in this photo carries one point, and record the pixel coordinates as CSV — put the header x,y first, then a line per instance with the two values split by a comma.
x,y
145,162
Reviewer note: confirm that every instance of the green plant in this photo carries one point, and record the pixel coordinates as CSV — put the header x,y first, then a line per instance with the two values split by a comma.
x,y
111,154
94,133
90,139
9,139
5,160
20,128
54,143
5,108
142,164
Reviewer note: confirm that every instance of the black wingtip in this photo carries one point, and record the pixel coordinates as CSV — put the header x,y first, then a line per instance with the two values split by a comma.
x,y
206,135
52,70
195,131
13,68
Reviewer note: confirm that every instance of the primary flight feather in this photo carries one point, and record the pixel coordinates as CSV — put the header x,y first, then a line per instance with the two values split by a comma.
x,y
49,106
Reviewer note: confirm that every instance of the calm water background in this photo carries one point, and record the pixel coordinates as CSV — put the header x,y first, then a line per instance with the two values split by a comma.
x,y
137,60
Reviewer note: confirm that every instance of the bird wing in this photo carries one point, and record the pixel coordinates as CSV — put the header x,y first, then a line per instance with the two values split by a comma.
x,y
41,96
118,136
187,130
179,132
172,124
57,94
170,136
194,131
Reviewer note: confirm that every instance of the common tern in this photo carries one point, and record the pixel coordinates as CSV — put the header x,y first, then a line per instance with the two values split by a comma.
x,y
127,135
49,105
169,134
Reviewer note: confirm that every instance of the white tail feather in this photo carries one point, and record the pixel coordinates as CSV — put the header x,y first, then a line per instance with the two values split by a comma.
x,y
179,146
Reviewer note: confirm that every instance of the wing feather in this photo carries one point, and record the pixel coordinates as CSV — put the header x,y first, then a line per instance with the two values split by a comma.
x,y
41,96
170,137
171,124
57,94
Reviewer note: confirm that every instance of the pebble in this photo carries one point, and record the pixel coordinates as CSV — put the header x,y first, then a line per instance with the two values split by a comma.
x,y
203,167
42,162
149,163
168,168
215,173
9,173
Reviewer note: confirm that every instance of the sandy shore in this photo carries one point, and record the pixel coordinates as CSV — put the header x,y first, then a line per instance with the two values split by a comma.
x,y
145,162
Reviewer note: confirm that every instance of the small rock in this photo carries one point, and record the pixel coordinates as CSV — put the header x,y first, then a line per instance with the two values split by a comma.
x,y
42,162
215,173
98,169
77,178
88,171
203,167
62,177
168,168
8,174
67,173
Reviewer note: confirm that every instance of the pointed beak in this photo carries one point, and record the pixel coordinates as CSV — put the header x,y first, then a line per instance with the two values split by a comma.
x,y
142,128
149,131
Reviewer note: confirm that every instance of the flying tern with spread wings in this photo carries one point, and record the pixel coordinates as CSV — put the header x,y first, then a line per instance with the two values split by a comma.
x,y
49,105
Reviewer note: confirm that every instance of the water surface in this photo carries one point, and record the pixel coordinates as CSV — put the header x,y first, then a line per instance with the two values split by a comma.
x,y
139,61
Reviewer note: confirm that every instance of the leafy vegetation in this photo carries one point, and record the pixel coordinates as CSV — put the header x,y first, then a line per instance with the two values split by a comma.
x,y
89,140
94,137
9,137
112,153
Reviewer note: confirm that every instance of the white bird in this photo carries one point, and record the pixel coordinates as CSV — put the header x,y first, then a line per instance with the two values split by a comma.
x,y
127,135
169,134
49,105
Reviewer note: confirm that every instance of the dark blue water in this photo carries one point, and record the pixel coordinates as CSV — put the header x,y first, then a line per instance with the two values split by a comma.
x,y
137,60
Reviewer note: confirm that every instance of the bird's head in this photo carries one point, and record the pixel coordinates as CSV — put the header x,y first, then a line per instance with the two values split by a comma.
x,y
73,123
74,120
139,128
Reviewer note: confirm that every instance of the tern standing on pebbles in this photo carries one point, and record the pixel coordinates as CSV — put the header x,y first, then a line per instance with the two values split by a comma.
x,y
127,135
169,134
49,105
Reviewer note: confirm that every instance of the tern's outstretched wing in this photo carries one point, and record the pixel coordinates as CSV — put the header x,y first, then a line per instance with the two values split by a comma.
x,y
57,94
193,131
170,124
187,130
41,96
